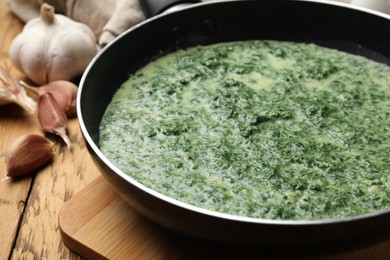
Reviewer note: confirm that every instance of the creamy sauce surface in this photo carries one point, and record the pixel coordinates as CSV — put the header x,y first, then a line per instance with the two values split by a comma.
x,y
263,129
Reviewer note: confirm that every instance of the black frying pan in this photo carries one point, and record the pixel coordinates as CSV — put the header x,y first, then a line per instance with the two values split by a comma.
x,y
329,24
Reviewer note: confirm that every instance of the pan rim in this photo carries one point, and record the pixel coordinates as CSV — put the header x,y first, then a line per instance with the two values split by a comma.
x,y
186,206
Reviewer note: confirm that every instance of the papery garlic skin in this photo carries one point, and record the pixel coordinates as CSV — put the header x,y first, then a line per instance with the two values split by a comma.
x,y
21,99
27,154
12,92
53,47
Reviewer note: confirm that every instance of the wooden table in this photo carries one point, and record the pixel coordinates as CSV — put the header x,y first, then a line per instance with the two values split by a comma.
x,y
29,207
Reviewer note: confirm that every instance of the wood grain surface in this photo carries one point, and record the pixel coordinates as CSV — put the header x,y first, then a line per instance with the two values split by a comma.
x,y
29,207
98,224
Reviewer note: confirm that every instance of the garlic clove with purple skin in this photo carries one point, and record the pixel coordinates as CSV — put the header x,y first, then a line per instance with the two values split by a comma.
x,y
27,154
52,118
63,91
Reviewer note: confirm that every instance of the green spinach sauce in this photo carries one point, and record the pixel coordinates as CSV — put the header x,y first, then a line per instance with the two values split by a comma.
x,y
263,129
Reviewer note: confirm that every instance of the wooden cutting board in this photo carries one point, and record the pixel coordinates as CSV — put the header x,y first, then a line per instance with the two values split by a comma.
x,y
97,224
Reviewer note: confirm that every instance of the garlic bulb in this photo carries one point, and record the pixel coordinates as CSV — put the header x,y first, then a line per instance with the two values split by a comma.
x,y
53,47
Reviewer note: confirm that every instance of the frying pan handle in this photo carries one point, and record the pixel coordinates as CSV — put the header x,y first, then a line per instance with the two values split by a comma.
x,y
154,7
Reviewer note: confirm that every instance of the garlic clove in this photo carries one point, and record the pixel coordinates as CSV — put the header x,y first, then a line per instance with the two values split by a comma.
x,y
27,154
63,91
12,92
52,118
